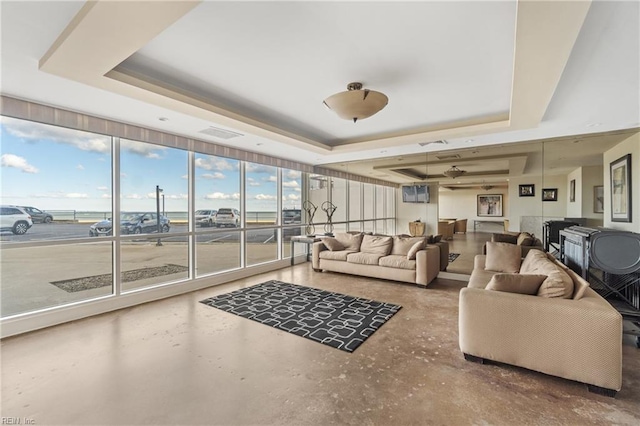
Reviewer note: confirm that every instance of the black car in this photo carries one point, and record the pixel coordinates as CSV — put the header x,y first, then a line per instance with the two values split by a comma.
x,y
132,223
37,215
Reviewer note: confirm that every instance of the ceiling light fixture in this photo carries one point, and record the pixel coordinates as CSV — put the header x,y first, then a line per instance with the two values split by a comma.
x,y
454,172
486,187
356,104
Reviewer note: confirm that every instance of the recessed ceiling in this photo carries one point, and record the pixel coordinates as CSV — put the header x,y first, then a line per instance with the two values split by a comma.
x,y
472,73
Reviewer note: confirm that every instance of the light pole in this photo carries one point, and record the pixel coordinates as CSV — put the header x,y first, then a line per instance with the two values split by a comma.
x,y
158,191
163,212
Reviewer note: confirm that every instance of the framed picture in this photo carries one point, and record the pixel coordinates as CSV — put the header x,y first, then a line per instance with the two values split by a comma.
x,y
550,194
416,194
490,205
598,199
572,191
527,190
621,189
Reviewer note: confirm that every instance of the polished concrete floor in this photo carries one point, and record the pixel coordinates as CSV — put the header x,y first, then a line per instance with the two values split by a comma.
x,y
177,361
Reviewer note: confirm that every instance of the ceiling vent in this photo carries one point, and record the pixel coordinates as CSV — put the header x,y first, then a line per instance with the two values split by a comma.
x,y
447,157
441,142
220,133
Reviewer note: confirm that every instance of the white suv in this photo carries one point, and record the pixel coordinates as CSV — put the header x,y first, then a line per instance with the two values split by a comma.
x,y
15,219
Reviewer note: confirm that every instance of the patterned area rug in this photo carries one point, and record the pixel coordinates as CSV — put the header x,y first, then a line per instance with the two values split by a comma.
x,y
453,256
334,319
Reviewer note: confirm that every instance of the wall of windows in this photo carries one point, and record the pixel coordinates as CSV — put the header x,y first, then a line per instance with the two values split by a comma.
x,y
133,220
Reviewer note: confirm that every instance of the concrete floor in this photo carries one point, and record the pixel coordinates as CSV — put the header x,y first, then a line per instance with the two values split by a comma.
x,y
177,361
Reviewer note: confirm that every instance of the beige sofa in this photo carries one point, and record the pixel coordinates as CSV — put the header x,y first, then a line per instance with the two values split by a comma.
x,y
576,335
397,258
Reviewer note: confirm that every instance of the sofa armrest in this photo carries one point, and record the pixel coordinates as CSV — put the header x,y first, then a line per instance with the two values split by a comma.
x,y
427,264
315,251
479,261
576,339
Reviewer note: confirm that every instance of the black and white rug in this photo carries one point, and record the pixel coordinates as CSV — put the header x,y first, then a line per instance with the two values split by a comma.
x,y
334,319
453,256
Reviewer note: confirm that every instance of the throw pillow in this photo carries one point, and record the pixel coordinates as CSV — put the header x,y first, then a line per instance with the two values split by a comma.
x,y
504,238
414,250
350,242
516,283
557,284
375,244
503,257
402,245
437,238
525,239
333,244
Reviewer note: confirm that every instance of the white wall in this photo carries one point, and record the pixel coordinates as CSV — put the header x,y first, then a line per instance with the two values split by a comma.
x,y
409,212
628,146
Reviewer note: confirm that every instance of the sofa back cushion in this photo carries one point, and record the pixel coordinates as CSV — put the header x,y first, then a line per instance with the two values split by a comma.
x,y
516,283
504,238
350,242
333,244
376,244
557,284
525,239
413,251
503,257
402,245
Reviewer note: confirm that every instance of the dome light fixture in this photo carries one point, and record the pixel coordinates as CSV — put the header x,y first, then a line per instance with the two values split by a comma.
x,y
356,104
454,172
486,187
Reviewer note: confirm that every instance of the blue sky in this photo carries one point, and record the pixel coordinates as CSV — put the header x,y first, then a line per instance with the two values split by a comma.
x,y
54,168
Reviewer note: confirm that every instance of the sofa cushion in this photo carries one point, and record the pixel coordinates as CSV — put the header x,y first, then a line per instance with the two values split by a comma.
x,y
558,282
503,257
350,242
364,258
376,244
504,238
516,283
335,255
525,239
397,261
333,244
579,289
413,251
402,245
480,278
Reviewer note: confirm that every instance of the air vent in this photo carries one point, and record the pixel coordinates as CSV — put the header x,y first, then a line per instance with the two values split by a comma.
x,y
220,133
441,142
447,157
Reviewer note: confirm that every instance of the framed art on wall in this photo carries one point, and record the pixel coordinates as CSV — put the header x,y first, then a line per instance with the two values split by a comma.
x,y
550,194
620,176
598,199
527,190
490,205
572,191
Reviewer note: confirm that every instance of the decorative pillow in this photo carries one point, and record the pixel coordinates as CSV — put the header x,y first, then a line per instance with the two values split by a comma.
x,y
533,262
376,244
350,242
414,250
402,245
428,239
504,238
516,283
333,244
557,284
525,239
580,288
503,257
434,239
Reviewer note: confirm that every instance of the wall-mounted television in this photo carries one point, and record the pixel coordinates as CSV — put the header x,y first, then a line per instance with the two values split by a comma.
x,y
415,194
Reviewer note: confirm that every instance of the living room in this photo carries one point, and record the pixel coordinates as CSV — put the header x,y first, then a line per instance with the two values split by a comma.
x,y
102,116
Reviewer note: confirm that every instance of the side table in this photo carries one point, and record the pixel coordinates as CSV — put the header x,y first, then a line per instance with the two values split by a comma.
x,y
304,239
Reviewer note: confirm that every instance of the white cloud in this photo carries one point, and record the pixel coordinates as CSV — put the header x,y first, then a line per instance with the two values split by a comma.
x,y
291,184
293,197
80,167
265,197
215,163
133,197
123,175
32,132
293,174
260,168
10,160
60,194
177,196
270,179
222,196
75,195
143,149
216,175
297,189
102,188
184,177
106,196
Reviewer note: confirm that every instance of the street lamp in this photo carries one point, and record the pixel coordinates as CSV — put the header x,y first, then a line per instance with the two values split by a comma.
x,y
163,212
158,191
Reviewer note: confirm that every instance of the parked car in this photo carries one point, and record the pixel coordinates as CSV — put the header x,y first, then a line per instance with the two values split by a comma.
x,y
206,217
227,217
132,223
289,217
37,215
15,219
